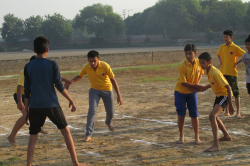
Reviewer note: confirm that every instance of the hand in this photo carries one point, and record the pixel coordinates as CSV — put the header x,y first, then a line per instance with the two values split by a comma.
x,y
231,109
27,116
119,100
20,106
67,84
73,109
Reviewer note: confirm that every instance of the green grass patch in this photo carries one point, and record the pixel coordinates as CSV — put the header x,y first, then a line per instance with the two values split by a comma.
x,y
151,67
154,79
77,72
14,158
2,163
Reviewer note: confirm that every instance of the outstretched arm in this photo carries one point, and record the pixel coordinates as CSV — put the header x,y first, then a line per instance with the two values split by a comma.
x,y
115,85
75,79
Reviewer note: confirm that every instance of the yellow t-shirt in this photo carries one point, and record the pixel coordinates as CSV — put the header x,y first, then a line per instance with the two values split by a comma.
x,y
229,55
99,79
188,73
20,82
217,82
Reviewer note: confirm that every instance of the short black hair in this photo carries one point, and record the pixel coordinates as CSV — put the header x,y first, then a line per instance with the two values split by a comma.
x,y
228,32
190,47
32,58
41,44
92,54
206,56
248,39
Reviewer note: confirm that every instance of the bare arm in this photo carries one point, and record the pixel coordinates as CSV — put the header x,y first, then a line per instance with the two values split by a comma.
x,y
199,88
115,85
20,104
231,108
235,65
71,103
65,80
75,79
220,60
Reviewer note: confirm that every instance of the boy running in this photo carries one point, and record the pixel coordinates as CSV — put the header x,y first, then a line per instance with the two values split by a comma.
x,y
222,90
190,73
41,76
228,54
102,79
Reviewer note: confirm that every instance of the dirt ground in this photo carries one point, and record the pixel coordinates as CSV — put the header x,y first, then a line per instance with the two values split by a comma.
x,y
145,127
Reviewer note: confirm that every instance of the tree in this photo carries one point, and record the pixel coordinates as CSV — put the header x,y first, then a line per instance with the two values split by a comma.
x,y
99,20
32,27
12,28
247,18
56,28
235,11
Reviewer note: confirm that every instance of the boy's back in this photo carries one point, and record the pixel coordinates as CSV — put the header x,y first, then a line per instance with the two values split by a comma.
x,y
41,75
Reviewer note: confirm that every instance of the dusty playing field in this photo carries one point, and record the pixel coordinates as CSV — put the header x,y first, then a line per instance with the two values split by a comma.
x,y
145,126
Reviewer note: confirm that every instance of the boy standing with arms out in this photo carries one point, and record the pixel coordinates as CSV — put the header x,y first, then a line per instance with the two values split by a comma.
x,y
41,76
102,79
19,99
246,61
222,90
190,74
228,54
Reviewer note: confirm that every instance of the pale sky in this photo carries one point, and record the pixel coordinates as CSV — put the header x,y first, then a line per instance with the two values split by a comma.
x,y
68,8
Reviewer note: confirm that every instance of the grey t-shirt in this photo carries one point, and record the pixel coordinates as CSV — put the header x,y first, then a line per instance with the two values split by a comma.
x,y
246,60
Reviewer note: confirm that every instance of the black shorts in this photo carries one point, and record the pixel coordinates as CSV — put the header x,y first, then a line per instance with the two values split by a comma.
x,y
248,88
222,101
15,98
37,118
232,80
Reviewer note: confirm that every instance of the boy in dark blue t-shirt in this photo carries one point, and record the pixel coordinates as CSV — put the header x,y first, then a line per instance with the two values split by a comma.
x,y
41,76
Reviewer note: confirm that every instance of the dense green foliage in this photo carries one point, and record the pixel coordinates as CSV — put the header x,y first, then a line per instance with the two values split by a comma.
x,y
172,17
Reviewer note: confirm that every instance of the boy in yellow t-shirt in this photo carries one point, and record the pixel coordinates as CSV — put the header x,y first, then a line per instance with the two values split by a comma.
x,y
190,73
223,93
19,99
228,54
102,79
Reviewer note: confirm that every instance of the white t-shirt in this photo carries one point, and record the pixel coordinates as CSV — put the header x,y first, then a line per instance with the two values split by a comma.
x,y
246,60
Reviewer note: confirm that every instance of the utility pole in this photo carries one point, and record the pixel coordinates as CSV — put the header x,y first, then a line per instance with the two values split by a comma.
x,y
124,13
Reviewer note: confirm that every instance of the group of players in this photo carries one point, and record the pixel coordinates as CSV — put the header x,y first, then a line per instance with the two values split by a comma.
x,y
36,97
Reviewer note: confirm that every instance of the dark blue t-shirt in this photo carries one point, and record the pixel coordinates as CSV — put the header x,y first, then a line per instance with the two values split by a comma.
x,y
41,77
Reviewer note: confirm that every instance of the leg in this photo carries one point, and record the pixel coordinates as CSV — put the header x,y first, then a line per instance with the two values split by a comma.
x,y
180,104
18,125
221,126
195,124
108,100
94,99
70,145
237,103
192,105
31,148
213,120
181,123
226,112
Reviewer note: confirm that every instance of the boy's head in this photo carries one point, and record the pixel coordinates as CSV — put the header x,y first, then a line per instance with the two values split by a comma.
x,y
93,58
247,42
32,58
190,52
41,45
205,60
228,36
